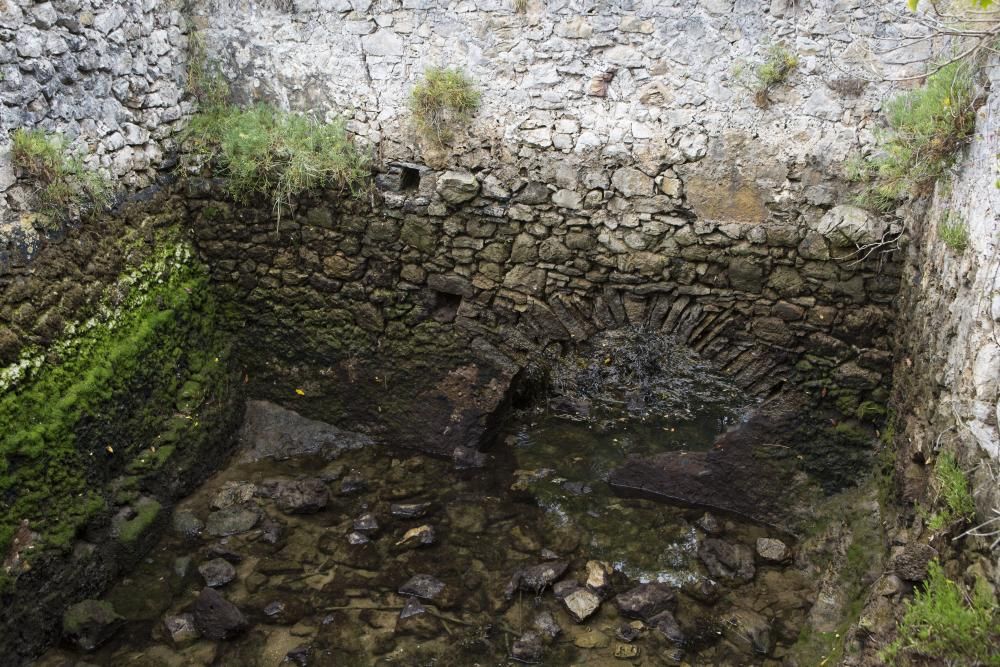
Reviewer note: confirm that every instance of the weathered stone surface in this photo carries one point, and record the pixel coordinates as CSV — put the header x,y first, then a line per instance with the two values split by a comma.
x,y
748,630
911,562
456,187
271,431
632,183
727,560
217,618
415,619
772,550
581,604
217,572
645,601
423,586
181,629
297,496
528,648
231,521
536,578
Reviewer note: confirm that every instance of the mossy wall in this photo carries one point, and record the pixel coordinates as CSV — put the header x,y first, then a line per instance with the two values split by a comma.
x,y
108,420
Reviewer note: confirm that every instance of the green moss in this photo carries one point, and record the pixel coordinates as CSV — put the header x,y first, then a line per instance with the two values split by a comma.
x,y
76,416
146,513
946,622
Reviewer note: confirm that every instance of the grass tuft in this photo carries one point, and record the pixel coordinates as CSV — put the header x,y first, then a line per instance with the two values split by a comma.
x,y
944,622
952,490
926,127
277,154
954,234
762,78
65,188
444,99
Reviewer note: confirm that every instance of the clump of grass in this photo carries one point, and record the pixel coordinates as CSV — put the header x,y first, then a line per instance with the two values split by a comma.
x,y
278,154
954,234
65,187
944,622
444,99
926,127
520,6
762,78
952,490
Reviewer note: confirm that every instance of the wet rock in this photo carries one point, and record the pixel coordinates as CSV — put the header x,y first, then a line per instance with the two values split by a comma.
x,y
298,496
581,604
536,578
771,550
299,655
911,562
561,589
629,632
703,590
271,431
420,536
353,484
467,458
708,523
577,488
748,630
221,549
181,629
355,538
185,523
546,624
626,651
423,586
528,648
366,523
286,610
90,623
598,577
570,406
465,518
591,638
216,617
415,619
409,510
271,532
217,572
726,560
233,493
667,625
231,521
645,601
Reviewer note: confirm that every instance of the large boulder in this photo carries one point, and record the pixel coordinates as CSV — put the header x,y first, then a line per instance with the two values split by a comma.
x,y
456,187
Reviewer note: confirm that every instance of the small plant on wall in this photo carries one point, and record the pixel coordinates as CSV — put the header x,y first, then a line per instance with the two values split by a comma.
x,y
762,78
954,233
441,102
64,187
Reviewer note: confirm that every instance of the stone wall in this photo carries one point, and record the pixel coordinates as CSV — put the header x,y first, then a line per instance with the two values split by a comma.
x,y
948,367
108,74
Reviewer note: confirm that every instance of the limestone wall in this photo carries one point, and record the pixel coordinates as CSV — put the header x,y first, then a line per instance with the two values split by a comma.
x,y
108,74
948,370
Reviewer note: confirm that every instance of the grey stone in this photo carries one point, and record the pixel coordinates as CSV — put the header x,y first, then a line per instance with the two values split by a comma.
x,y
231,521
748,630
581,604
233,493
217,618
217,572
527,648
772,550
727,560
297,496
90,623
456,187
409,510
187,524
632,183
645,601
271,431
536,578
181,629
422,586
911,562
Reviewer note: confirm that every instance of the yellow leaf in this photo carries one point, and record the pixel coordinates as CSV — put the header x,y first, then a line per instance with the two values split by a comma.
x,y
300,392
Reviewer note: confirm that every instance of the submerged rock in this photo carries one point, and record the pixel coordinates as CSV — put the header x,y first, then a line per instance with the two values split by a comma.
x,y
355,538
466,458
546,624
231,521
422,586
773,551
726,560
598,577
415,619
418,537
645,601
581,604
409,510
90,623
536,578
216,617
527,648
366,523
298,496
217,572
352,484
748,630
185,523
233,493
667,625
181,629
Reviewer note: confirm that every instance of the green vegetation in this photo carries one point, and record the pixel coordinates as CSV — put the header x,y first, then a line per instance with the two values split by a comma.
x,y
146,513
204,80
952,489
444,99
71,420
65,187
954,233
926,128
277,154
520,6
762,78
944,622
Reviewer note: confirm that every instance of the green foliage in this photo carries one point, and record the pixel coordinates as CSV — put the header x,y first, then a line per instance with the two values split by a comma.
x,y
65,187
926,128
954,233
952,490
71,419
944,622
981,4
520,6
444,99
762,78
277,154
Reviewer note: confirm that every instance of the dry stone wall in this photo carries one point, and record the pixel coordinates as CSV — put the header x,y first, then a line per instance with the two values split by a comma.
x,y
108,74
